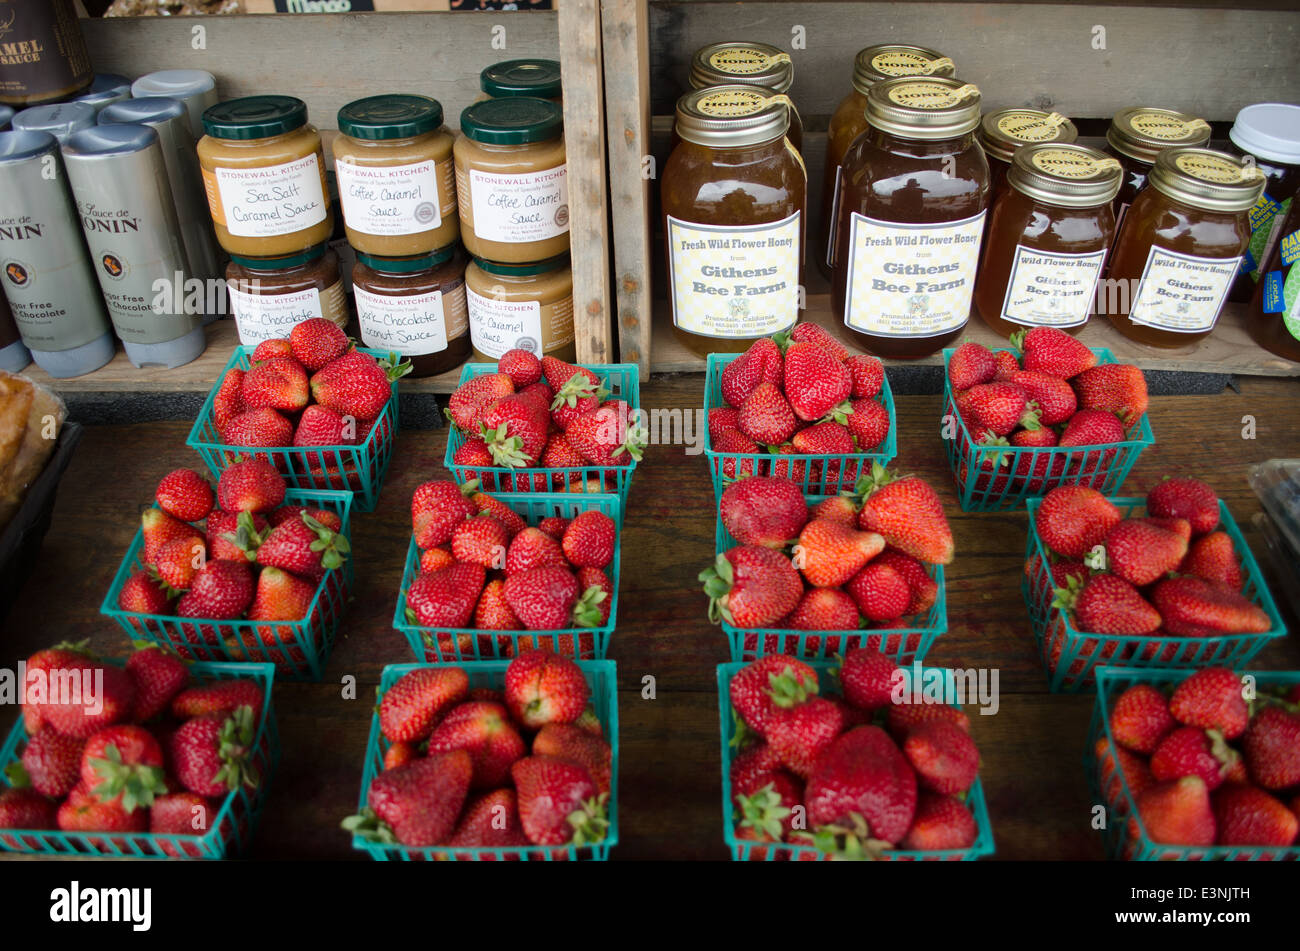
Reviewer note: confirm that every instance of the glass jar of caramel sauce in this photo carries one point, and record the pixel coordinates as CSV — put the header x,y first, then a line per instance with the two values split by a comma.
x,y
734,193
1180,245
748,64
1002,132
1047,239
913,197
1137,135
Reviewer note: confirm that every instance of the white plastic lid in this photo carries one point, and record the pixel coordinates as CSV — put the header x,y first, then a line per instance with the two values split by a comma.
x,y
1270,131
173,83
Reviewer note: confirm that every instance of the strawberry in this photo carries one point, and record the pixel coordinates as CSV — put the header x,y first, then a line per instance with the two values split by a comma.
x,y
902,716
1107,604
1073,519
490,505
722,417
558,372
815,381
1116,387
123,762
1007,364
278,347
1185,498
235,535
181,813
970,365
316,341
416,805
543,598
941,823
81,713
1190,605
837,508
492,612
559,802
1140,552
570,742
533,548
1053,396
766,808
943,755
356,384
754,688
399,754
606,437
227,402
999,407
219,698
280,596
82,811
490,821
594,606
483,730
799,732
44,664
1213,558
178,561
830,553
221,591
321,426
445,598
1049,350
1212,699
474,397
1245,815
761,363
750,586
481,540
1042,438
158,676
868,375
51,764
250,485
1190,751
1092,427
577,396
822,609
543,688
437,507
159,528
474,452
1178,812
411,707
184,494
590,539
762,510
734,441
908,513
1272,748
868,679
880,592
924,590
522,366
765,416
144,594
808,332
515,430
825,438
863,773
868,424
290,513
210,755
1134,768
24,809
258,427
559,454
278,383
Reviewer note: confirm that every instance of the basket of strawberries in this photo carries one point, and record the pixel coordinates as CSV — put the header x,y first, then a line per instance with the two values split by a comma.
x,y
152,758
266,578
1162,581
1058,413
320,410
495,761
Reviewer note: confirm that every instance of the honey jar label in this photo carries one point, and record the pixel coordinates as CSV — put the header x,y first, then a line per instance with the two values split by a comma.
x,y
1167,128
1181,293
745,60
911,280
1070,163
261,317
389,200
519,209
412,325
1047,289
732,103
908,63
1031,126
1211,168
734,282
497,325
931,95
270,201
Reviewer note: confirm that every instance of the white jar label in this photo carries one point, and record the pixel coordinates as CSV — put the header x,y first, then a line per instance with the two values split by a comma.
x,y
1182,293
908,280
1047,289
270,201
517,209
734,282
389,200
496,326
269,316
412,326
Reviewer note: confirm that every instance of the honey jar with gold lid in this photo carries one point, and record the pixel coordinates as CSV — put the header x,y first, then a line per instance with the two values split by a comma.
x,y
749,64
1137,135
1002,132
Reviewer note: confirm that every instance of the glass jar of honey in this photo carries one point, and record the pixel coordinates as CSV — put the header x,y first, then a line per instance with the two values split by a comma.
x,y
733,198
1002,132
1275,308
1137,135
748,64
1047,239
1180,245
913,197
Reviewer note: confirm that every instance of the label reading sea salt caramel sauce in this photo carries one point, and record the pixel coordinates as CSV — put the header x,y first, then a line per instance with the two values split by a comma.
x,y
1182,293
269,201
389,200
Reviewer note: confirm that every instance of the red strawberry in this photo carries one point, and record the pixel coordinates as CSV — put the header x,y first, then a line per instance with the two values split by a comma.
x,y
1248,816
924,590
280,596
411,707
321,426
1116,387
943,755
908,513
289,513
522,366
250,485
474,397
1185,498
258,427
356,384
543,688
275,348
606,436
1272,748
761,510
1092,427
825,438
184,494
437,507
800,732
178,561
1033,439
1190,605
1212,699
181,813
765,416
863,773
533,548
416,805
868,678
399,754
490,821
767,807
51,764
1134,768
1049,350
558,802
1213,558
1178,812
87,706
590,539
492,613
823,609
559,454
902,716
868,424
594,606
830,553
543,598
762,362
970,365
221,591
1053,396
1007,364
837,508
144,594
219,698
515,430
577,396
722,417
815,381
1107,604
1190,751
734,441
1073,519
808,332
228,402
750,586
24,809
1140,718
481,540
158,676
559,372
490,505
754,686
868,375
474,452
211,755
316,342
484,731
82,811
941,823
1140,551
881,592
445,598
279,383
123,762
567,741
159,528
998,407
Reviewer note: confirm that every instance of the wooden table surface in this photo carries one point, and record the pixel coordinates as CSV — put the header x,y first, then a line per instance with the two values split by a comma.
x,y
669,804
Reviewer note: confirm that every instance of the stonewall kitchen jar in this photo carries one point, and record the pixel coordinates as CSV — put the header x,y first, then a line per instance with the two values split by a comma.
x,y
534,78
1002,132
1137,135
521,306
414,306
1181,244
269,296
395,174
913,197
748,64
1047,238
734,193
43,55
512,186
264,174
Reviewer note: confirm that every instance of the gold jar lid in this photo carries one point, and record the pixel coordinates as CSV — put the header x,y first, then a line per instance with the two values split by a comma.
x,y
1143,132
1006,130
732,115
1064,174
1206,179
751,64
936,107
892,60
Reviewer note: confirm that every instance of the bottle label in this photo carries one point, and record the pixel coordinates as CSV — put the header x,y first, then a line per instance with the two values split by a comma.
x,y
745,60
734,282
1281,290
496,326
832,219
517,209
411,325
1031,126
389,199
908,63
1167,128
1051,290
931,95
261,317
1181,293
1069,164
267,202
911,280
1266,221
1217,171
733,103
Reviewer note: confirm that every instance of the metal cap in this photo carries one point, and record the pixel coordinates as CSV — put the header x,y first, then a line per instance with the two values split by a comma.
x,y
1071,176
892,60
516,120
732,115
1269,131
21,146
1206,179
1006,130
60,120
538,78
936,107
739,63
147,111
173,83
1143,132
106,140
106,87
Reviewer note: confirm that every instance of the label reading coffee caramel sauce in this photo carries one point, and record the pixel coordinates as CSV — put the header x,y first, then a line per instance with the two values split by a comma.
x,y
389,199
517,209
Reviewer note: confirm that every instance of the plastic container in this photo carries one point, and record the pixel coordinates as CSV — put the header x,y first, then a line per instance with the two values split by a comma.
x,y
746,851
1071,656
301,647
235,821
196,89
59,120
1124,834
1031,473
1277,484
306,467
455,645
105,89
601,677
816,474
623,382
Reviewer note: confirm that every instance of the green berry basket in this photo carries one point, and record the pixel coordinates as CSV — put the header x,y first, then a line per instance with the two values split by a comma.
x,y
904,646
601,676
297,649
624,383
744,850
231,829
1071,656
1002,478
456,645
1124,835
359,469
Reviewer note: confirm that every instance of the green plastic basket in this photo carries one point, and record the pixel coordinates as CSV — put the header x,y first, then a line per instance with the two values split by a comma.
x,y
814,473
303,646
230,831
743,850
601,677
982,489
624,383
359,469
455,645
1124,835
1082,652
904,646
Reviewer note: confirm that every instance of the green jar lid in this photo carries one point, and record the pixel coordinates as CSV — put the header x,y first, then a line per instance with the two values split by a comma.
x,y
522,77
514,121
279,264
523,270
254,117
408,265
390,117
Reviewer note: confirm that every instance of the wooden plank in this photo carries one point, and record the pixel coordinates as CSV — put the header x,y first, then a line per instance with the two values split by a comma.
x,y
627,103
584,143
